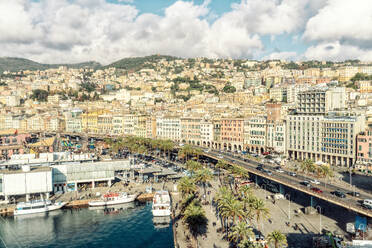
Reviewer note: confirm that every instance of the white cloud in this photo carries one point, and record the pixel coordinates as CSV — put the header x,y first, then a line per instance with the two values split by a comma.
x,y
337,52
342,20
281,55
80,30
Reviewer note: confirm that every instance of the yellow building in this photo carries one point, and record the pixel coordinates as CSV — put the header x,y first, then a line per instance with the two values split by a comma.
x,y
89,121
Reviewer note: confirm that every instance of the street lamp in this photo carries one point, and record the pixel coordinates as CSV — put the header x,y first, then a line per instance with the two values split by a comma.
x,y
289,205
319,208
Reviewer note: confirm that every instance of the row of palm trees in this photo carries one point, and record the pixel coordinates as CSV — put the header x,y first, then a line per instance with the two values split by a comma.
x,y
308,166
140,145
240,208
192,212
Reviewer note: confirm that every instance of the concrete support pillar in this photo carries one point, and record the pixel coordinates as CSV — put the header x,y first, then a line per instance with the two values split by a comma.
x,y
64,188
281,189
76,186
109,182
156,179
311,201
27,197
6,198
47,195
93,184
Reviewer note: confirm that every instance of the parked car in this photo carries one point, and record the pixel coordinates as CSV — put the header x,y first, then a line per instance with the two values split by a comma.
x,y
279,170
314,181
306,183
356,194
268,172
316,190
293,174
338,194
220,156
260,168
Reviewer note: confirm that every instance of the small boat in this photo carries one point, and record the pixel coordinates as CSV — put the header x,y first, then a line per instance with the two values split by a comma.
x,y
161,203
38,206
113,199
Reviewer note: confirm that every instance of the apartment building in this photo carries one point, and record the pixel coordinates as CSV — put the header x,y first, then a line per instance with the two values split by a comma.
x,y
364,146
168,127
104,123
190,130
206,133
275,140
329,138
232,134
217,134
321,100
151,127
256,138
135,125
278,94
117,125
73,121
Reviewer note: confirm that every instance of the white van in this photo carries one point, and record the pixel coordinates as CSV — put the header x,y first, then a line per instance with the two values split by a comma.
x,y
367,202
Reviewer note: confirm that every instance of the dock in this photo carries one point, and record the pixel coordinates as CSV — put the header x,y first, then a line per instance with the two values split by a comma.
x,y
78,203
6,211
145,197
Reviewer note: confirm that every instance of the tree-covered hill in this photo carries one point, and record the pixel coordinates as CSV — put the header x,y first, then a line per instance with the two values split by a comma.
x,y
18,64
138,63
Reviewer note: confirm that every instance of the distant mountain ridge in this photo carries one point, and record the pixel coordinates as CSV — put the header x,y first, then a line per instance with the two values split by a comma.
x,y
13,64
137,63
18,64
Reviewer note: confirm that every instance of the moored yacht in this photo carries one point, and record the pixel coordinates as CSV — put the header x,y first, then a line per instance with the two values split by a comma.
x,y
38,206
113,199
161,203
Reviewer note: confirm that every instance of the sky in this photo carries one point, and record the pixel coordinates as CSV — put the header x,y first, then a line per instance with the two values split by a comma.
x,y
71,31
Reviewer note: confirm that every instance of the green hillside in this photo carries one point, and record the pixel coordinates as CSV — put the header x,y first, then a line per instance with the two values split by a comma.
x,y
138,63
18,64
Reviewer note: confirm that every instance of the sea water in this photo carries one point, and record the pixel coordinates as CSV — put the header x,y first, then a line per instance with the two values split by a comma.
x,y
126,225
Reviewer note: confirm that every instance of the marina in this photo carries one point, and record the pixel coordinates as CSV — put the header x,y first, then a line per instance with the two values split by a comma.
x,y
130,225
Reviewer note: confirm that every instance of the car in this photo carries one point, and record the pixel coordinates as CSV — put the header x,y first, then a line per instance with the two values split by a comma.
x,y
316,190
366,206
260,168
314,181
220,156
338,193
306,183
354,193
293,174
279,170
268,172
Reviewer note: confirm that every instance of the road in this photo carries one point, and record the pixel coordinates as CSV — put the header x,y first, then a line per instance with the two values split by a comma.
x,y
350,202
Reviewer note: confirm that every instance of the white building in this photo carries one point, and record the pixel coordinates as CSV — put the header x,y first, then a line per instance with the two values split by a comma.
x,y
168,127
26,181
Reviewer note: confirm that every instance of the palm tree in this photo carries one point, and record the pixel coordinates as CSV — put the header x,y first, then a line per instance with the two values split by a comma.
x,y
278,239
193,166
245,191
249,244
194,217
221,164
168,145
261,211
307,166
186,186
185,151
241,231
203,176
232,208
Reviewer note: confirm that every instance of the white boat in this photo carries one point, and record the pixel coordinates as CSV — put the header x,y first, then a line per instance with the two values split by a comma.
x,y
161,204
113,199
39,206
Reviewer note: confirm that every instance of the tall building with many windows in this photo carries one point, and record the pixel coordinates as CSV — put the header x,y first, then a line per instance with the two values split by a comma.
x,y
321,100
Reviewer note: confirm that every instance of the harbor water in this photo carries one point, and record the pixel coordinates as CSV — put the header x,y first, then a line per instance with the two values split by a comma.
x,y
125,225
